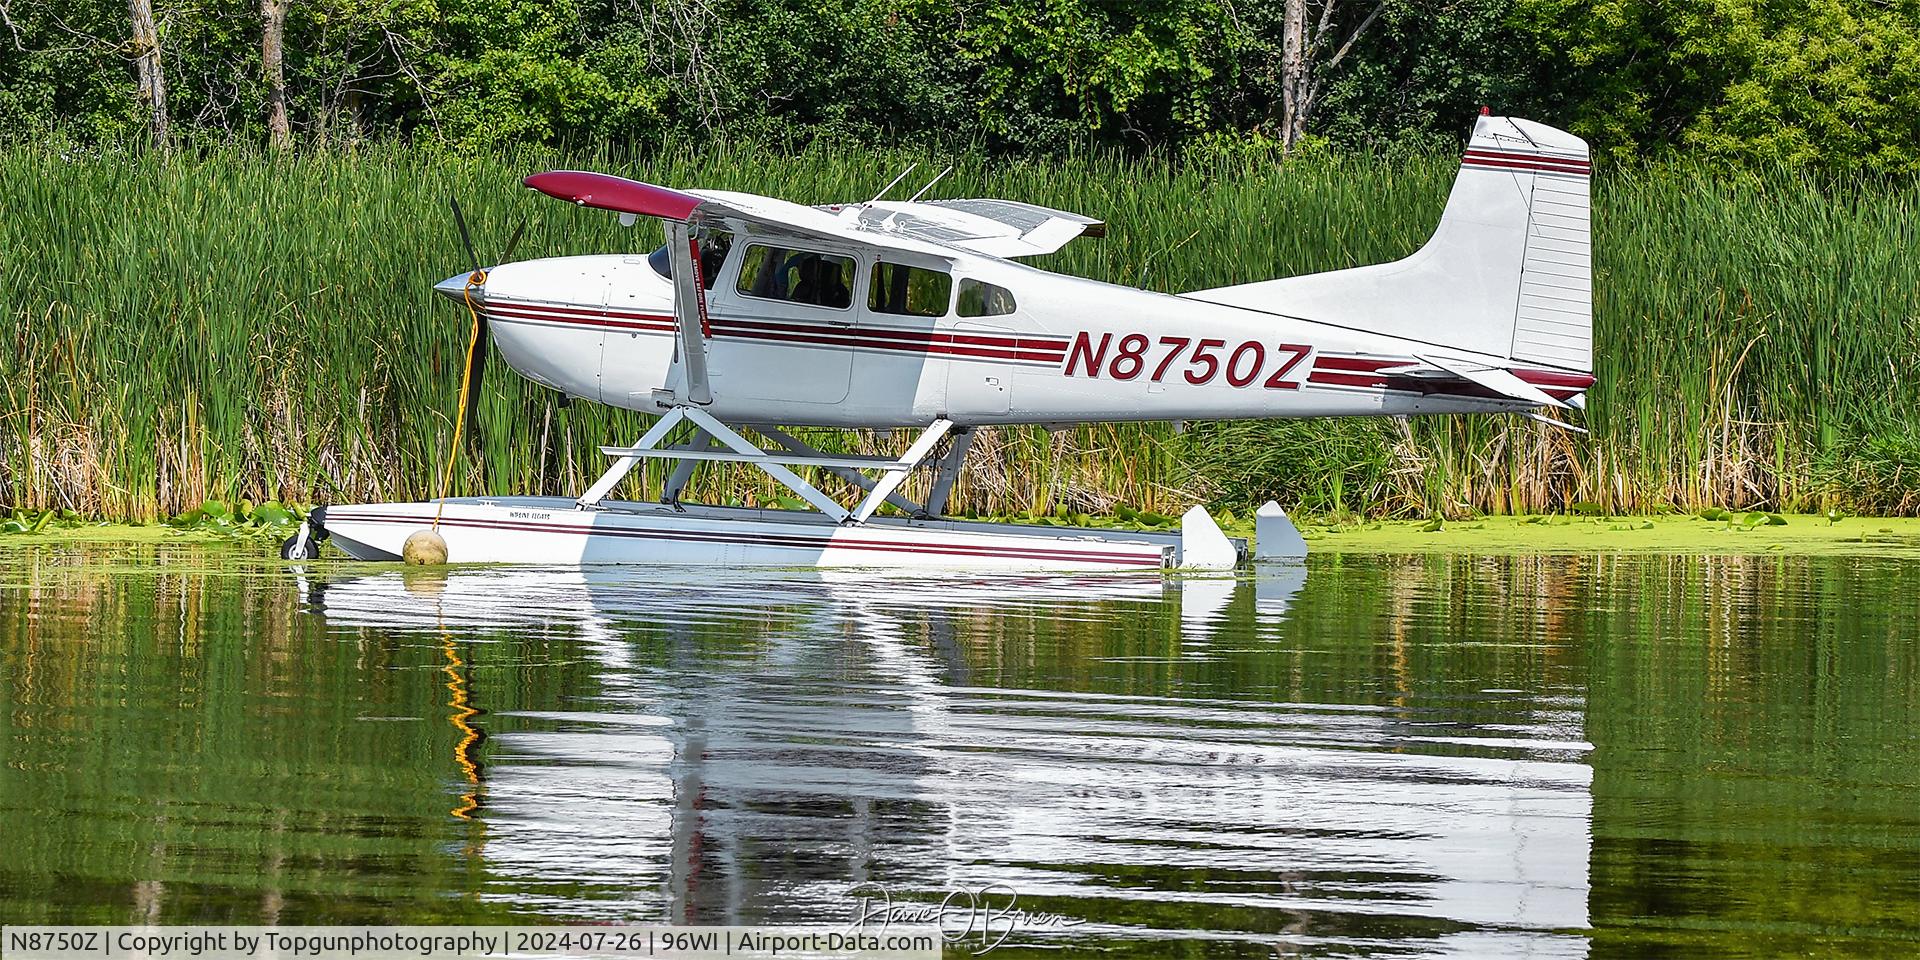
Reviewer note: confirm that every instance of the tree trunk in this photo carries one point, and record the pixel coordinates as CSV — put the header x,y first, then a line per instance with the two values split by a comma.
x,y
273,33
1294,74
152,91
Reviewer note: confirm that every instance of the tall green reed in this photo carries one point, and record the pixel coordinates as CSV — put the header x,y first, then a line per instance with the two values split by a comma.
x,y
235,325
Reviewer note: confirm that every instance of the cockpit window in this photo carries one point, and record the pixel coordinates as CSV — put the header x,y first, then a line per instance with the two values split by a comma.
x,y
909,291
714,245
797,276
978,299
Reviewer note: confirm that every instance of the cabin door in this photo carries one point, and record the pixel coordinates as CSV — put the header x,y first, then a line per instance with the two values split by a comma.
x,y
784,325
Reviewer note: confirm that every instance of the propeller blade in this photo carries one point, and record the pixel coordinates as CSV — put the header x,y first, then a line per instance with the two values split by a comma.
x,y
513,242
466,239
476,379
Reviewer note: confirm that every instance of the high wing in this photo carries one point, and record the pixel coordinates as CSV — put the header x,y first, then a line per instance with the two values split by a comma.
x,y
988,227
724,209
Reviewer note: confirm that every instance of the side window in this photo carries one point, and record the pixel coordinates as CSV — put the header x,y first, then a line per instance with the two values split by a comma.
x,y
714,245
909,291
979,299
797,276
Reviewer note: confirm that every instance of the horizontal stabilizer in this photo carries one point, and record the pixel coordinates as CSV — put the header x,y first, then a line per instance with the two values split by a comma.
x,y
1500,381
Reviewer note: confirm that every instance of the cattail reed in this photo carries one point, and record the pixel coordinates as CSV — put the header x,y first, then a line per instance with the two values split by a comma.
x,y
237,326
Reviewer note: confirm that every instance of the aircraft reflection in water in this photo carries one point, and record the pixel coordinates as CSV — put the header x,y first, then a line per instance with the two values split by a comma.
x,y
752,747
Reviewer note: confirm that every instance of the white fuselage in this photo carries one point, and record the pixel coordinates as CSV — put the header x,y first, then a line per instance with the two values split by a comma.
x,y
909,314
1072,350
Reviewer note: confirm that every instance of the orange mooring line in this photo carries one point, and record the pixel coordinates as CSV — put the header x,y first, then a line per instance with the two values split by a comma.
x,y
463,709
475,279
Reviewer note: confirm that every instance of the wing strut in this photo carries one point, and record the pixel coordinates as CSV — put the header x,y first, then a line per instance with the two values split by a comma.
x,y
690,327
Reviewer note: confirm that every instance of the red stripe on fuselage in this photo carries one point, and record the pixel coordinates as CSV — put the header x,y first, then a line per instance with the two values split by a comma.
x,y
812,339
1555,378
1424,386
581,321
1361,364
573,310
1347,379
884,338
1375,373
972,345
1536,376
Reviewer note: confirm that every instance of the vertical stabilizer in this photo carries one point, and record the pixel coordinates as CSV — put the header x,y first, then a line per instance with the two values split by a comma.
x,y
1508,273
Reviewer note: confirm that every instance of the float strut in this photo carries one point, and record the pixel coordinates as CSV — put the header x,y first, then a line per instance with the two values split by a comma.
x,y
618,471
946,471
683,471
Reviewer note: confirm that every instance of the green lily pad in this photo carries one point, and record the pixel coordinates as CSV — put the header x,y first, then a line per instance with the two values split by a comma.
x,y
273,513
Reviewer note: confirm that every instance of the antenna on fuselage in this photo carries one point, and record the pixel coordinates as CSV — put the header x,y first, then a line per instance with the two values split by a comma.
x,y
893,183
930,183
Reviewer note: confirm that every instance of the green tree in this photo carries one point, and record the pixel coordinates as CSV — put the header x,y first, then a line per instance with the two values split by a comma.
x,y
1418,77
1828,83
1812,83
1051,73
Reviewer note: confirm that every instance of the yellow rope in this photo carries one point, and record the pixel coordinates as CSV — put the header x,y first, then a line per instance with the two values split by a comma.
x,y
464,710
476,279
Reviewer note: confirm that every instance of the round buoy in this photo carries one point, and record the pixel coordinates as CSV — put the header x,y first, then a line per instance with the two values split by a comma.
x,y
424,548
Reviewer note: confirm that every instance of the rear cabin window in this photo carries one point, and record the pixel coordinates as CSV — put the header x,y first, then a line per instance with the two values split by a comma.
x,y
909,291
797,276
714,245
978,299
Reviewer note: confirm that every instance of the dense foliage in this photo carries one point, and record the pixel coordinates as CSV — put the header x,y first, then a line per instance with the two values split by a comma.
x,y
1832,83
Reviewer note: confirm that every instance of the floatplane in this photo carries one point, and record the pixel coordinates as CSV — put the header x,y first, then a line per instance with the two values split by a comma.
x,y
760,314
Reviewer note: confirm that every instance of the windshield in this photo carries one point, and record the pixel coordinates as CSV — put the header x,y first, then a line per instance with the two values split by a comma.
x,y
714,245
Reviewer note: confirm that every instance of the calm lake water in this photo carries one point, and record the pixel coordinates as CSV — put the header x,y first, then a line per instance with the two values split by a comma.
x,y
1383,756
